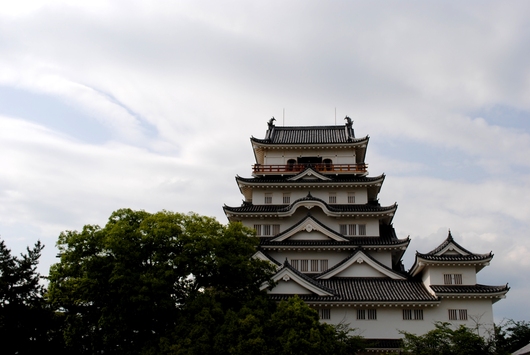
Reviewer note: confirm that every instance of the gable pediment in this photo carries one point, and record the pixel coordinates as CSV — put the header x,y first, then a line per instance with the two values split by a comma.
x,y
288,281
310,175
360,265
452,249
309,229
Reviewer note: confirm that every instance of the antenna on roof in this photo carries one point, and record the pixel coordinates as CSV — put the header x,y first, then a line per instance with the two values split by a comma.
x,y
284,116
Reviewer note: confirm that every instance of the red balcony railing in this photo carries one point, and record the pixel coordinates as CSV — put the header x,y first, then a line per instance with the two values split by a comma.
x,y
321,167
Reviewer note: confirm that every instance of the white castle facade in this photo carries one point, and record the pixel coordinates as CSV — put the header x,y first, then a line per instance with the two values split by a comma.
x,y
316,212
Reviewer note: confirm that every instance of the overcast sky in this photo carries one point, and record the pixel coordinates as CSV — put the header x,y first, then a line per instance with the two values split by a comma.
x,y
150,105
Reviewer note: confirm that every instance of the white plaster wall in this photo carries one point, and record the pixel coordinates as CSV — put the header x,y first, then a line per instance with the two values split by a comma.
x,y
333,257
436,274
384,257
289,287
390,321
258,195
280,156
360,270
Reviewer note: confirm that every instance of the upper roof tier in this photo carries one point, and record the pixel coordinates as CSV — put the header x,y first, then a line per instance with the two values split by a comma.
x,y
285,135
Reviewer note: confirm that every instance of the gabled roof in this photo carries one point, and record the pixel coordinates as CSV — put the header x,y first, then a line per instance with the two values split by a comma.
x,y
369,291
287,274
450,252
261,255
309,224
309,173
309,134
249,209
471,291
359,257
294,180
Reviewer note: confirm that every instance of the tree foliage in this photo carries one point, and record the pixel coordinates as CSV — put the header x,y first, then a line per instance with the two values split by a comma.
x,y
444,340
123,287
511,335
27,325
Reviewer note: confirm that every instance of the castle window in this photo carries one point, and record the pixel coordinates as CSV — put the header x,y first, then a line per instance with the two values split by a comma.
x,y
324,313
332,197
370,314
452,279
286,198
266,229
362,229
268,198
352,229
351,197
458,314
413,314
310,266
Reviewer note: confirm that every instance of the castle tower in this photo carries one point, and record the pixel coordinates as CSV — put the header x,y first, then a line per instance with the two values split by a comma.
x,y
316,212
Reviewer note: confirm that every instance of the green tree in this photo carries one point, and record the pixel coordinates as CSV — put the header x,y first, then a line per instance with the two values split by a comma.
x,y
511,335
26,324
444,340
123,288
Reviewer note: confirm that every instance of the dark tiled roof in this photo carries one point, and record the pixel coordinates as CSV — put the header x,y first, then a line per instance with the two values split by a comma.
x,y
352,241
468,288
249,207
309,135
271,179
312,281
445,243
471,257
369,290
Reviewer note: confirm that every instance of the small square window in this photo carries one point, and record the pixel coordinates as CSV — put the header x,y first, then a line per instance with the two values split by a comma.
x,y
324,313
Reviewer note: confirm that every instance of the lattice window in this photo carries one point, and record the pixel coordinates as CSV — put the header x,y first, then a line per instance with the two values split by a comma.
x,y
458,314
323,265
362,229
304,265
275,229
413,314
310,265
266,229
257,228
268,198
324,313
351,197
295,264
372,314
361,314
352,229
452,279
332,197
286,198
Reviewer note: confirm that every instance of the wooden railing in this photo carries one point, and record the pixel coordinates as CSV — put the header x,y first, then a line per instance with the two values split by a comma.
x,y
321,167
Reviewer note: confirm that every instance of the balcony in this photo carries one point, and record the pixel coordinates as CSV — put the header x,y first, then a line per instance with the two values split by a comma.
x,y
324,168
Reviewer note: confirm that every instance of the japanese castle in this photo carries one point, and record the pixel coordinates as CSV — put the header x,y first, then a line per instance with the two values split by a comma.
x,y
316,212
